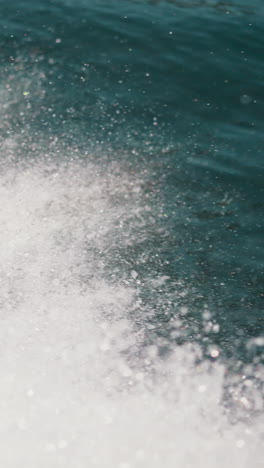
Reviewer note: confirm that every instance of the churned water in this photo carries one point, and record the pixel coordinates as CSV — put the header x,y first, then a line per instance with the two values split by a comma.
x,y
132,197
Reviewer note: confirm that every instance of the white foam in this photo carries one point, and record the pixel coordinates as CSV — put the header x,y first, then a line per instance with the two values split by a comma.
x,y
74,390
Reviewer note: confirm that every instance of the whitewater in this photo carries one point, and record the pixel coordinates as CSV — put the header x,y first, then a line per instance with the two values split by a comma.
x,y
79,384
101,361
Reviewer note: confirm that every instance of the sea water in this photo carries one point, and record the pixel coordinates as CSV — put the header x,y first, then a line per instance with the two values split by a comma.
x,y
131,278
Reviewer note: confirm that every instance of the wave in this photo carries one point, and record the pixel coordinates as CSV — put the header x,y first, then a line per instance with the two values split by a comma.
x,y
79,383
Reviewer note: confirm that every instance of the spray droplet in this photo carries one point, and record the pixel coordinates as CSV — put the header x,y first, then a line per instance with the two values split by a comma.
x,y
134,274
245,99
214,353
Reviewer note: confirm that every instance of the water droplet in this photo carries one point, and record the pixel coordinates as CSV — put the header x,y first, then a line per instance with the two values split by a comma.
x,y
245,99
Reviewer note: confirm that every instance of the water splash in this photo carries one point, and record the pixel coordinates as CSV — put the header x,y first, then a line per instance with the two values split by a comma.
x,y
78,386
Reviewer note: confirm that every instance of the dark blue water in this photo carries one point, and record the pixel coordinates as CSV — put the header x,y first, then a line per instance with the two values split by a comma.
x,y
171,94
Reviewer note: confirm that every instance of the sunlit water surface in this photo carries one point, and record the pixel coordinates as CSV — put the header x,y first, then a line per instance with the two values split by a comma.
x,y
131,226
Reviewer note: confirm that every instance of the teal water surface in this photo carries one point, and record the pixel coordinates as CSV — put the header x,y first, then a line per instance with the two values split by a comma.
x,y
173,93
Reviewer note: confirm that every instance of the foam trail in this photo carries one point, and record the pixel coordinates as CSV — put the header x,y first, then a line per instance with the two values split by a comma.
x,y
75,390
